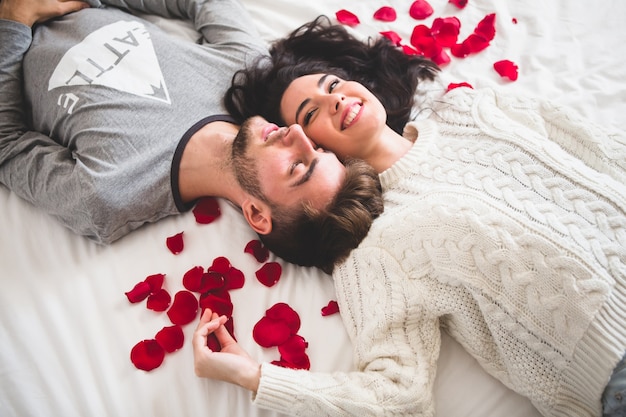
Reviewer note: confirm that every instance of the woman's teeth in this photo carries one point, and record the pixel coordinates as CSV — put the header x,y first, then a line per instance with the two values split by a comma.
x,y
354,110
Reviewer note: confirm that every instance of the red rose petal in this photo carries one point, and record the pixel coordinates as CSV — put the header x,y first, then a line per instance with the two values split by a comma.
x,y
155,281
159,300
207,210
409,51
184,308
331,308
175,243
147,355
459,3
282,311
441,58
452,86
234,279
139,292
192,279
347,18
293,352
269,273
385,14
392,36
420,9
217,304
486,28
268,332
423,41
446,30
256,249
507,69
213,343
220,265
171,338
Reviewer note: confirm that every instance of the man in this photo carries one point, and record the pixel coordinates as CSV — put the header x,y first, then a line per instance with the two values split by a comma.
x,y
116,135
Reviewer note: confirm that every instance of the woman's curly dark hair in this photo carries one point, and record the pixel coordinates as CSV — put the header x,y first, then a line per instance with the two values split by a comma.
x,y
321,47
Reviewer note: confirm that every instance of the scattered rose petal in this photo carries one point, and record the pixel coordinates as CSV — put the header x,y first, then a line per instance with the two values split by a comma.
x,y
268,332
292,352
385,14
347,18
452,86
155,281
423,41
392,36
184,308
441,58
234,279
159,300
409,51
213,343
220,265
486,28
256,249
331,308
192,279
446,30
147,355
459,3
507,69
269,273
282,311
175,243
139,292
220,305
207,210
420,9
171,338
514,20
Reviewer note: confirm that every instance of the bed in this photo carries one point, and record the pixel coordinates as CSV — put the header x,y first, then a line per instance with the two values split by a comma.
x,y
67,327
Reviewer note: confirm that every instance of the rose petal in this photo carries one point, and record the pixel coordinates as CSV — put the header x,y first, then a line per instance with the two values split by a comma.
x,y
507,69
213,343
423,41
139,292
459,3
292,351
385,14
441,58
331,308
486,28
155,281
409,51
282,311
171,338
234,279
207,210
147,355
392,36
347,18
175,243
452,86
220,265
184,308
268,332
446,30
256,249
192,279
159,300
217,304
269,273
420,9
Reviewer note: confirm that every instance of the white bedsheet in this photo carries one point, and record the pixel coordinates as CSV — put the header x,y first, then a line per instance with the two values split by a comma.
x,y
66,328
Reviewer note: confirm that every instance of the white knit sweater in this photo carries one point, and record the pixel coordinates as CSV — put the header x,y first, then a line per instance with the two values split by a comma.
x,y
505,225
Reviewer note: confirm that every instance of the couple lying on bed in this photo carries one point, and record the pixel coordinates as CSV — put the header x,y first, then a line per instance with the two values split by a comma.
x,y
504,220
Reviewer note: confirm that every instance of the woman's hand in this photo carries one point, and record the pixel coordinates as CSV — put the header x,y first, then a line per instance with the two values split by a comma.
x,y
30,12
232,364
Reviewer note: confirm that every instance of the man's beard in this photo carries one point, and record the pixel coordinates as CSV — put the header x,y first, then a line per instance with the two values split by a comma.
x,y
245,167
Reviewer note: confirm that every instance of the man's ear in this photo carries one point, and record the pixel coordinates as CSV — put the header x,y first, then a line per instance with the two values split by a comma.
x,y
258,215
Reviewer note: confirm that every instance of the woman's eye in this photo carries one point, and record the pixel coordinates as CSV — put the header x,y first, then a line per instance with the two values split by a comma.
x,y
307,117
332,85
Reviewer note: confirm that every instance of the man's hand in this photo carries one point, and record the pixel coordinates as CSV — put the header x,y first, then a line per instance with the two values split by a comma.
x,y
30,12
232,364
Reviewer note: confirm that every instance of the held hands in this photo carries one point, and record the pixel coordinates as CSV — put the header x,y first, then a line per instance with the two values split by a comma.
x,y
232,364
30,12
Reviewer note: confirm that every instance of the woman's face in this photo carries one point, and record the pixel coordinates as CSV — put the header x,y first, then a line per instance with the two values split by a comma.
x,y
341,116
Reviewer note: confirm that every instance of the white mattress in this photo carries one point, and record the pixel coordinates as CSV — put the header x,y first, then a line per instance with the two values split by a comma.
x,y
66,327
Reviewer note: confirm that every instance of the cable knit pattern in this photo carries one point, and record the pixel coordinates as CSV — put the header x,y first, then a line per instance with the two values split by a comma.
x,y
504,225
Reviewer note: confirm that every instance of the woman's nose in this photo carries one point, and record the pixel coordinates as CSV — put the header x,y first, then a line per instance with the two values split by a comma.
x,y
335,102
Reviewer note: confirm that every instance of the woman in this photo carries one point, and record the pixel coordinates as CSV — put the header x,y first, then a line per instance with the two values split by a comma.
x,y
504,224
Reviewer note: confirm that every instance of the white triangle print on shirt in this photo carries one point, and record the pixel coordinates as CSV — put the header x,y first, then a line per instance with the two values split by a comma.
x,y
119,56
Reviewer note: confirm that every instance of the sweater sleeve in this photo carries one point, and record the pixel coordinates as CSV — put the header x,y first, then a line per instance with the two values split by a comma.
x,y
221,22
396,345
602,148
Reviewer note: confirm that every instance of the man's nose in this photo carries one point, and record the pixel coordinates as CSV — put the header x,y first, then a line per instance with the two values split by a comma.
x,y
295,136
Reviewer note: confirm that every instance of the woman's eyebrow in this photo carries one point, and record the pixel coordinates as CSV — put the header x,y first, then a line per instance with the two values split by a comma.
x,y
320,83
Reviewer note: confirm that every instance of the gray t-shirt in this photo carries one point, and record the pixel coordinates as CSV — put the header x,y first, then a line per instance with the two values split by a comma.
x,y
96,108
